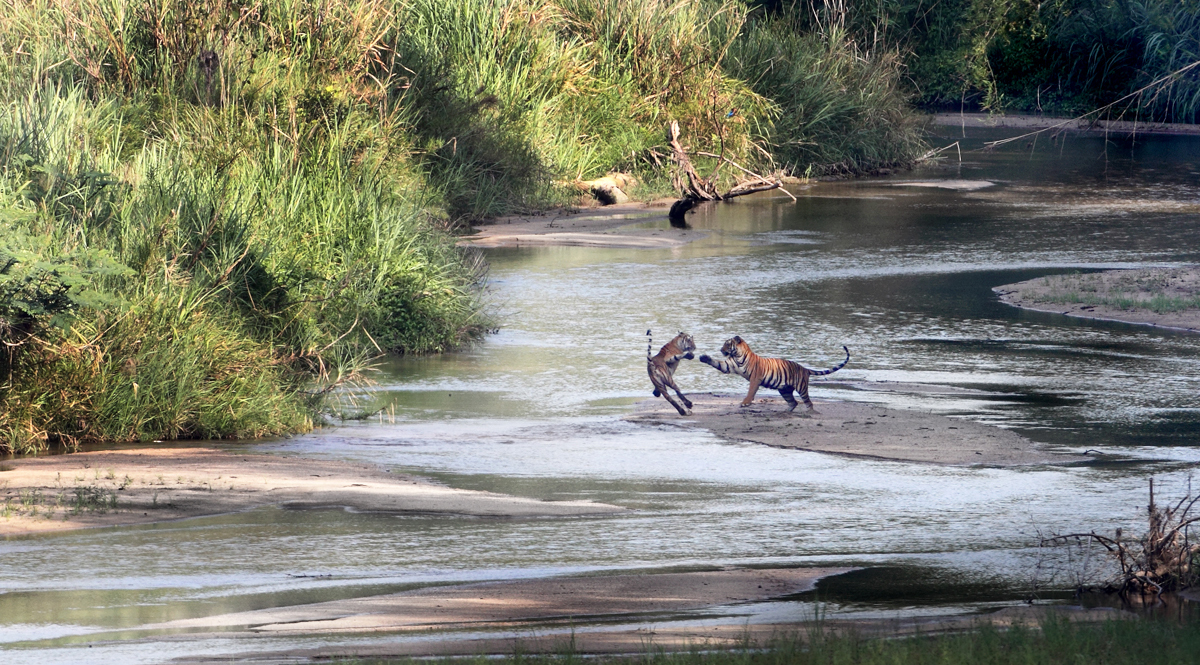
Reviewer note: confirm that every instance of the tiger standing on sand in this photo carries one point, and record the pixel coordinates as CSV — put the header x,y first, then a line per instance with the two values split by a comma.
x,y
661,368
783,375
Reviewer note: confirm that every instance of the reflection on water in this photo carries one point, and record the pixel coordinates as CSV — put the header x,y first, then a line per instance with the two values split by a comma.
x,y
901,275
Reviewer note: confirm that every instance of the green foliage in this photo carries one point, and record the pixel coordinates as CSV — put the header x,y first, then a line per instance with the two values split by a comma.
x,y
819,128
1057,56
35,283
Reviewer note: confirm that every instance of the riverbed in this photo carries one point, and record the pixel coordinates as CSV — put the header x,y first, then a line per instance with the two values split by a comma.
x,y
899,269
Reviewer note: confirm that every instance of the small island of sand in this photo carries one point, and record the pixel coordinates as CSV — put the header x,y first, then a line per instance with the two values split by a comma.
x,y
856,429
1164,297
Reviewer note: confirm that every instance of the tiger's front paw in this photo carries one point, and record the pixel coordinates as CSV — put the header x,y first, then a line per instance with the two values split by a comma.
x,y
705,359
689,356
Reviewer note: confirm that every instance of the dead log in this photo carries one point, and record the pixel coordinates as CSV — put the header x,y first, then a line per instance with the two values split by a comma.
x,y
1164,559
694,189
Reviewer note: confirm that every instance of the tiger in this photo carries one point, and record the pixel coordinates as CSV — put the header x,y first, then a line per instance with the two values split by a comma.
x,y
661,368
783,375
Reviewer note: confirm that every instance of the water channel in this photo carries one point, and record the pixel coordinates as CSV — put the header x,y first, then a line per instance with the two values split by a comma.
x,y
898,271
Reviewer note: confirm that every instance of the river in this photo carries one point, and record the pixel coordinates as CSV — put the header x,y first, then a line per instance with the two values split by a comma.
x,y
899,269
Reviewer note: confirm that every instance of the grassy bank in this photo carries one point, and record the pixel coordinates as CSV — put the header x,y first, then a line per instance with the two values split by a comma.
x,y
1059,57
1056,641
213,213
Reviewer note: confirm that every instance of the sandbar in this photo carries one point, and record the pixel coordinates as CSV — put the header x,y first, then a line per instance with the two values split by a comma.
x,y
493,605
1107,296
855,429
121,487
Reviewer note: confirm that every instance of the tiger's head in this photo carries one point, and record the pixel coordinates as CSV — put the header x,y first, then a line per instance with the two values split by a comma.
x,y
685,342
735,347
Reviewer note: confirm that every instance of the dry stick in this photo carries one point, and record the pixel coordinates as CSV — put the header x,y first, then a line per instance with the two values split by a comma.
x,y
1152,84
938,151
747,172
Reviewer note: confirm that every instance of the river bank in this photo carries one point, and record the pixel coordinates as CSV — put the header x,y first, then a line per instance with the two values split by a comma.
x,y
1161,297
598,614
586,227
1090,124
125,487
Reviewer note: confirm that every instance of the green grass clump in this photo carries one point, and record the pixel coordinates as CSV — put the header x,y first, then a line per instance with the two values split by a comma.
x,y
818,128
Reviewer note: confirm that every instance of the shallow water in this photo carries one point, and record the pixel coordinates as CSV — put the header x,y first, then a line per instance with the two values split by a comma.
x,y
901,274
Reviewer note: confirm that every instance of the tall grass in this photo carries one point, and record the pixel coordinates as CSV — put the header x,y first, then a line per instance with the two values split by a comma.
x,y
1058,56
841,107
216,211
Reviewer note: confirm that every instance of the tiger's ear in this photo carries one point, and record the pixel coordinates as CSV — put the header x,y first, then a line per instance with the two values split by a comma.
x,y
737,339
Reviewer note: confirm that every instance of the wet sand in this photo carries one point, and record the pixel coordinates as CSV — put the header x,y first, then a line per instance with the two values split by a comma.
x,y
1094,288
61,492
613,614
588,227
502,604
854,429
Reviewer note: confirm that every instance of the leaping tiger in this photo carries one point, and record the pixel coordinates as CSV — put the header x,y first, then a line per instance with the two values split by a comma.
x,y
661,367
783,375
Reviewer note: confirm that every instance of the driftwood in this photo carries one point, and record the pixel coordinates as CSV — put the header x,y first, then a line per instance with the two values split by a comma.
x,y
694,189
1162,560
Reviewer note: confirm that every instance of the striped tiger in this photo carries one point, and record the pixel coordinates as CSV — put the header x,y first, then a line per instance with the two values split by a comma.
x,y
661,367
782,375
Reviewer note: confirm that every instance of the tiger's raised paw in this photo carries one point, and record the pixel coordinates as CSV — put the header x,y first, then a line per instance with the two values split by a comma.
x,y
689,356
705,359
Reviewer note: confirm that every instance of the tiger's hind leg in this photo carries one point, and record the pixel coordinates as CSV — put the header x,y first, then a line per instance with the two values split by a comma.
x,y
809,410
660,390
678,407
787,397
679,392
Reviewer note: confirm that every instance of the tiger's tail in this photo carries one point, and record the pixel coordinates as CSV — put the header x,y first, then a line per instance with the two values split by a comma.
x,y
831,370
649,345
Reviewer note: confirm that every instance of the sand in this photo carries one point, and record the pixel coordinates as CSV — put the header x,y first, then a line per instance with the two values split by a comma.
x,y
500,604
590,227
1141,284
611,614
855,429
60,492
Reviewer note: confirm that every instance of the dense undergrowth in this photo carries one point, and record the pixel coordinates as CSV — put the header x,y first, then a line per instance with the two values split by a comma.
x,y
212,213
1063,57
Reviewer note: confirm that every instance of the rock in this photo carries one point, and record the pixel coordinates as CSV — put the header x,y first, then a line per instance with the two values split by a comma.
x,y
609,190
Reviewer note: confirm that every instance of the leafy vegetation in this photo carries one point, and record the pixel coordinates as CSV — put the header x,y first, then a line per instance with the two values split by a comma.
x,y
213,213
1058,56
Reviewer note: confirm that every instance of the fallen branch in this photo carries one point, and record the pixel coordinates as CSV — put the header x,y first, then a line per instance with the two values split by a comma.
x,y
1157,82
1164,559
694,189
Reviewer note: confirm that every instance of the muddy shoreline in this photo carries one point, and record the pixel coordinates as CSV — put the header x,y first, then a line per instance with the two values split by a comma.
x,y
596,614
1106,296
855,429
140,486
1088,125
586,227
